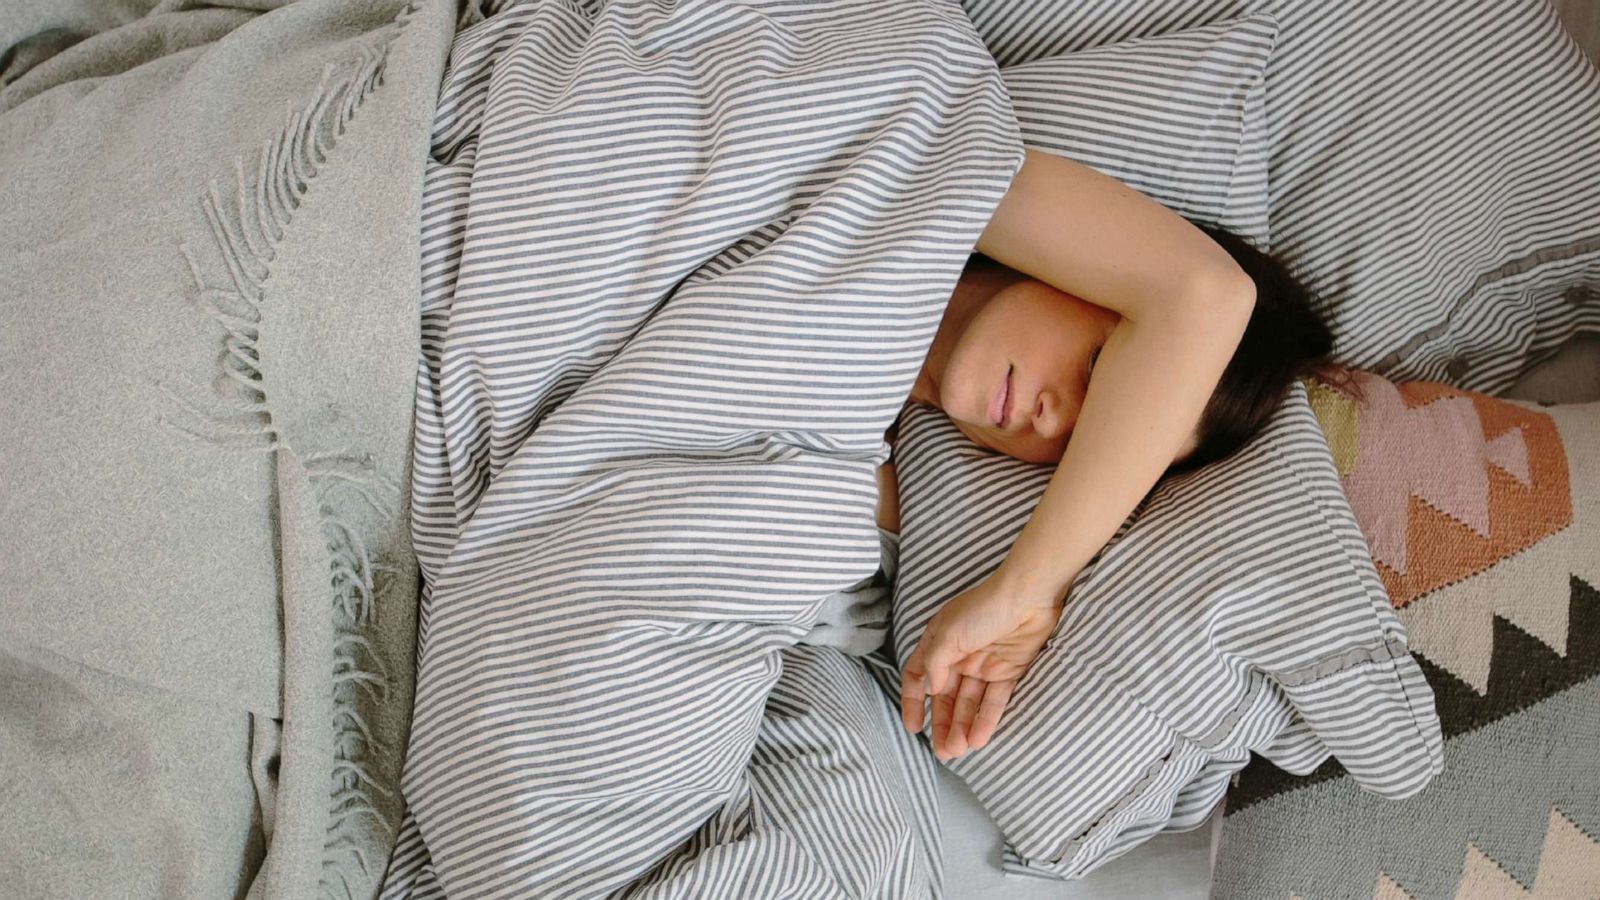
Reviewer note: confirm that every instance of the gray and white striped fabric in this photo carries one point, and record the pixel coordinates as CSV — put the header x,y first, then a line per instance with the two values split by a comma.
x,y
1432,166
1180,117
838,801
682,263
1236,611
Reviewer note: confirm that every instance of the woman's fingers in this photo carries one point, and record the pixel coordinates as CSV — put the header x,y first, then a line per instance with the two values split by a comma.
x,y
913,693
998,668
995,697
943,707
968,693
973,665
940,653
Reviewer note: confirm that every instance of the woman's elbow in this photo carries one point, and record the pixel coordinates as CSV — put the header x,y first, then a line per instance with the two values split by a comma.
x,y
1232,276
1225,296
1231,285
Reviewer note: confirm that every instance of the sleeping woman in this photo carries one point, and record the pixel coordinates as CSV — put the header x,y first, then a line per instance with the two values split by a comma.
x,y
1101,331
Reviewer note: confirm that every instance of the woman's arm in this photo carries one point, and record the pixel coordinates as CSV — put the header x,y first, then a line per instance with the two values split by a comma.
x,y
1184,304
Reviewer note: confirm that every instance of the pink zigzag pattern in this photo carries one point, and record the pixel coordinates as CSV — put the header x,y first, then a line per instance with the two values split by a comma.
x,y
1510,452
1450,477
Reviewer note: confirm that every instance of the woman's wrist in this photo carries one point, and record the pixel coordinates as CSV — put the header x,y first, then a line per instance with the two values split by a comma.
x,y
1042,564
1031,586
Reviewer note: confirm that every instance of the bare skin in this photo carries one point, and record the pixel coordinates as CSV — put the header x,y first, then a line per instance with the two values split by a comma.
x,y
1002,322
1079,273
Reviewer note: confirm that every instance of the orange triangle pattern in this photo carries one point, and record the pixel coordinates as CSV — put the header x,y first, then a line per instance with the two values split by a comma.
x,y
1528,492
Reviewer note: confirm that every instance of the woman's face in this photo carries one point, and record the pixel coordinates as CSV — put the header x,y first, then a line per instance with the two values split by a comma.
x,y
1025,358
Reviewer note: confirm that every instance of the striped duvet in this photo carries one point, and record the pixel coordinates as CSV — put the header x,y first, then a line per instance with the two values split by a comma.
x,y
682,263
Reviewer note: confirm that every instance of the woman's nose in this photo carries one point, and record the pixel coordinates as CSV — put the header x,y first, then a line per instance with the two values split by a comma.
x,y
1051,417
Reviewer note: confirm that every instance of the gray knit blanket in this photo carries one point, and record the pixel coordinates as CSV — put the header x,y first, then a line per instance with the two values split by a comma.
x,y
208,320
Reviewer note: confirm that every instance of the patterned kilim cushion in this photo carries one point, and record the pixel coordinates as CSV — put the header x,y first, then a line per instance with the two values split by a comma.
x,y
1483,516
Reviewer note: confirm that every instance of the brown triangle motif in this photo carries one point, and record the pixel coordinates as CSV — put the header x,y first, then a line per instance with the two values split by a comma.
x,y
1420,485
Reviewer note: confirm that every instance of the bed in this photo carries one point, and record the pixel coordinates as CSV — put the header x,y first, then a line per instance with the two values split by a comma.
x,y
277,575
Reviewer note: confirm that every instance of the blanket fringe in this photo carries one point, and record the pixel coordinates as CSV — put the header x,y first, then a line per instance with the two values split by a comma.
x,y
247,220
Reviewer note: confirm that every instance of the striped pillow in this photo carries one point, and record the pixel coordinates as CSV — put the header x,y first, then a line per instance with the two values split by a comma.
x,y
1019,32
1236,611
1432,167
1181,117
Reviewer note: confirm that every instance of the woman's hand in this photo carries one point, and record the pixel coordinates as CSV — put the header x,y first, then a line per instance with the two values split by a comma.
x,y
972,654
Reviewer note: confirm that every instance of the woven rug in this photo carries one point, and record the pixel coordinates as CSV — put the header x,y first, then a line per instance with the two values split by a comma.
x,y
1491,552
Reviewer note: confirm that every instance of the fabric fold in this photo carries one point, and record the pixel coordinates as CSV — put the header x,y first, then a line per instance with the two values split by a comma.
x,y
682,263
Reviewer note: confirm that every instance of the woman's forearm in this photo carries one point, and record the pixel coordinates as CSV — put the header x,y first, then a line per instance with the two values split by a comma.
x,y
1153,379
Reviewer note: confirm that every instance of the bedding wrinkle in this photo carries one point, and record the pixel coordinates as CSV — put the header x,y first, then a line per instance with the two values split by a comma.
x,y
667,288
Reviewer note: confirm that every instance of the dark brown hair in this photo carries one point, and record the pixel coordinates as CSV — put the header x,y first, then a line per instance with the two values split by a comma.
x,y
1286,339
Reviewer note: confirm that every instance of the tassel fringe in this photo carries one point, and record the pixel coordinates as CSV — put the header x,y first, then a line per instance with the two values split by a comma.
x,y
247,219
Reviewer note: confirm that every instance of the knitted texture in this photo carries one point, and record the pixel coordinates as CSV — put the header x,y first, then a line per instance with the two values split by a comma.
x,y
1484,518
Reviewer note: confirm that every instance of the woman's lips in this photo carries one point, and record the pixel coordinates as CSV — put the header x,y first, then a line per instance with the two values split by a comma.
x,y
1000,405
